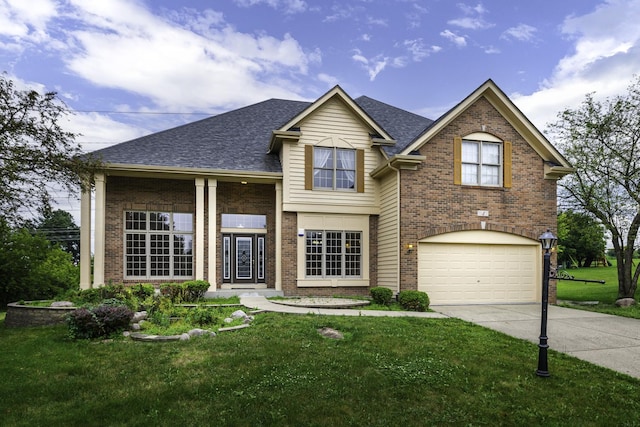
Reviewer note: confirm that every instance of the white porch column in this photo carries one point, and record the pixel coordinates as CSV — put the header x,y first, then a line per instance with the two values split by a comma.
x,y
199,229
278,250
98,259
85,239
213,237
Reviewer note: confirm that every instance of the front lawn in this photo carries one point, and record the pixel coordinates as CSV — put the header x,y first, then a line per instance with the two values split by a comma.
x,y
280,371
605,294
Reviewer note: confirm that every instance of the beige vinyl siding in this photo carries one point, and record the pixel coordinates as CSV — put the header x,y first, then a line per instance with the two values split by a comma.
x,y
388,232
332,125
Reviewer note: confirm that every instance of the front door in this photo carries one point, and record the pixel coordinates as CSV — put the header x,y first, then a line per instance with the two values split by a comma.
x,y
243,258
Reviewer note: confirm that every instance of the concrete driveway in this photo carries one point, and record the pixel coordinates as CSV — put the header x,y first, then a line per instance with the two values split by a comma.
x,y
602,339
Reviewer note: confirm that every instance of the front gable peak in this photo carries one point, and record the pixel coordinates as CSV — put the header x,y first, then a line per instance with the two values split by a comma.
x,y
499,100
291,129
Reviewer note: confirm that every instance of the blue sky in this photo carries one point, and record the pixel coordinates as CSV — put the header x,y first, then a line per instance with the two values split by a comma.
x,y
131,67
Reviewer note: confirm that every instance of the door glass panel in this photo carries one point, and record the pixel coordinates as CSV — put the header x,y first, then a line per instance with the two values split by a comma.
x,y
244,257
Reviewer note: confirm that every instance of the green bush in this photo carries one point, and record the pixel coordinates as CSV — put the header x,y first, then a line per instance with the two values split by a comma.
x,y
381,295
413,300
31,268
190,291
201,316
101,321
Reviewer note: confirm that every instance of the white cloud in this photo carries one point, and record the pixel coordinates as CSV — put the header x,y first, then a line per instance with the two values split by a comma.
x,y
26,20
373,66
473,18
605,59
182,62
521,32
418,50
459,41
287,6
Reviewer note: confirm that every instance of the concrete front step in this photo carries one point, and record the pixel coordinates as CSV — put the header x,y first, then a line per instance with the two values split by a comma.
x,y
226,293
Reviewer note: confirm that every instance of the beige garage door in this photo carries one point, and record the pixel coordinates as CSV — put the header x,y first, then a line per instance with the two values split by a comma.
x,y
478,273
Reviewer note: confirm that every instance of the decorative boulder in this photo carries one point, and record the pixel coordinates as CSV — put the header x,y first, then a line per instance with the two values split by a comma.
x,y
138,316
331,333
185,337
238,314
625,302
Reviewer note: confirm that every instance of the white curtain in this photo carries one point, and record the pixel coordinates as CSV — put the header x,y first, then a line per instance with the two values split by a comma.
x,y
347,159
320,157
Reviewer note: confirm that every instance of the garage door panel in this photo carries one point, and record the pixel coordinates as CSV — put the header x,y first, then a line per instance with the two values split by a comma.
x,y
458,273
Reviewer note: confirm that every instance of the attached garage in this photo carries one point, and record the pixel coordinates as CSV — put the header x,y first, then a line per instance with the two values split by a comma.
x,y
479,267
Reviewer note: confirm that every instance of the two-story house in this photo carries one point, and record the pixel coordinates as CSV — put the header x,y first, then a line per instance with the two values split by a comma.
x,y
332,197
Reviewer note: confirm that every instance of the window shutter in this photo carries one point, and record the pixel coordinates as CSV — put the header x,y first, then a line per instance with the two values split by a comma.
x,y
360,170
507,165
457,160
308,167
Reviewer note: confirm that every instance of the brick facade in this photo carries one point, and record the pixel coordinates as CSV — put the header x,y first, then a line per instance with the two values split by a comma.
x,y
432,204
139,194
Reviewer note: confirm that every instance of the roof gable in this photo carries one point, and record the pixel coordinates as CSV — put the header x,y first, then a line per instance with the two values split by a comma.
x,y
497,98
356,109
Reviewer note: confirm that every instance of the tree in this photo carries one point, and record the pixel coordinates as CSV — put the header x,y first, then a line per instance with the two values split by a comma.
x,y
580,239
35,152
31,268
602,141
59,228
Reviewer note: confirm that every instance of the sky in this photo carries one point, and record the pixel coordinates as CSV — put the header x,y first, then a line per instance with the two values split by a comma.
x,y
127,68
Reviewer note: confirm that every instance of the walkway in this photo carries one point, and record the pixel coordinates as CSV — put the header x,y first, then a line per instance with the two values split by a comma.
x,y
605,340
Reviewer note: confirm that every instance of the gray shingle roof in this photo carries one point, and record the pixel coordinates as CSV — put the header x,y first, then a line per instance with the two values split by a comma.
x,y
238,140
402,125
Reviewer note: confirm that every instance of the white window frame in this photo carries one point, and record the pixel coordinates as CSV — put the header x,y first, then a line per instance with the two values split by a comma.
x,y
325,257
142,233
482,163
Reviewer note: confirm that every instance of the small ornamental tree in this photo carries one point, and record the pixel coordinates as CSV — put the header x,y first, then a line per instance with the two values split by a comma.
x,y
601,139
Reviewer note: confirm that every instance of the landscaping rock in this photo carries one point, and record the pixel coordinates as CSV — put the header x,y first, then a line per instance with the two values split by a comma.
x,y
135,326
126,334
199,332
62,304
138,316
228,320
331,333
185,337
625,302
238,314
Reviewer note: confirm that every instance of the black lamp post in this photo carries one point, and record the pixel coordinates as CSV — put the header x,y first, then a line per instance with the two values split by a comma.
x,y
548,240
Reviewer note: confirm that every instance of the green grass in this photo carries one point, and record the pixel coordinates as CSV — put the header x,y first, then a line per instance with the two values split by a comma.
x,y
280,371
606,294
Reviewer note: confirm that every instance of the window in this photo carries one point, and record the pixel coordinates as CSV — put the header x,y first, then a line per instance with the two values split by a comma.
x,y
158,245
334,168
333,254
481,163
330,168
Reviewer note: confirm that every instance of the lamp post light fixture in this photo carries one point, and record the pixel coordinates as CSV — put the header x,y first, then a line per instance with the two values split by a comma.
x,y
548,240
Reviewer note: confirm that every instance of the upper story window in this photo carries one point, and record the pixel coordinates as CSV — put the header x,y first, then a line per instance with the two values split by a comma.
x,y
481,159
481,163
334,168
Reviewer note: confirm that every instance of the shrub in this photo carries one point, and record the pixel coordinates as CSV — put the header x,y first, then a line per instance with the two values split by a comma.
x,y
381,295
190,291
195,289
101,321
201,316
413,300
142,290
83,324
